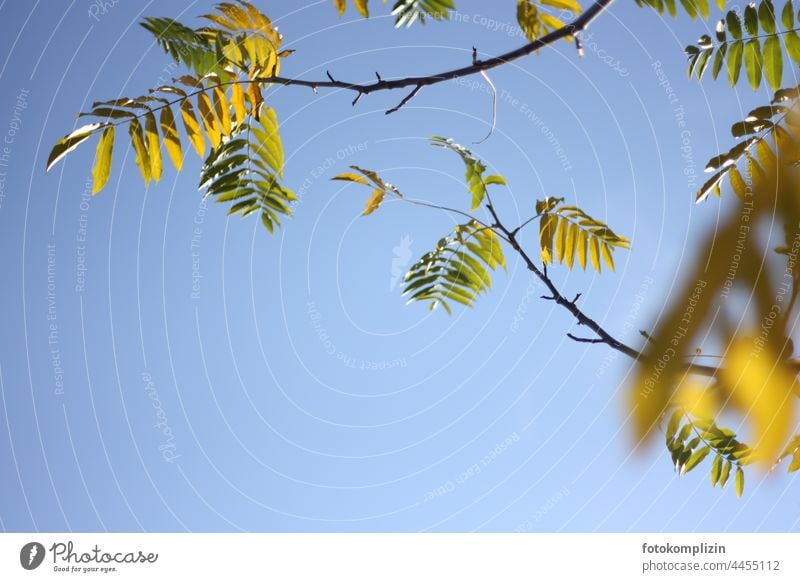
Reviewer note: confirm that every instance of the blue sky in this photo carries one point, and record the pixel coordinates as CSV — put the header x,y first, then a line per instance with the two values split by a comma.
x,y
165,368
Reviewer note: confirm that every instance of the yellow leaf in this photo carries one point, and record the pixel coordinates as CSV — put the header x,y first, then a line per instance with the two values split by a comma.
x,y
172,141
374,201
594,253
738,184
561,238
237,100
767,158
570,5
547,228
255,98
582,240
341,6
222,111
153,145
605,250
193,128
102,159
209,119
142,159
761,386
361,6
350,177
757,176
787,146
69,142
569,248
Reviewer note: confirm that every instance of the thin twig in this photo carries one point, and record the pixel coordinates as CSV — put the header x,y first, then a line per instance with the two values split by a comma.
x,y
405,100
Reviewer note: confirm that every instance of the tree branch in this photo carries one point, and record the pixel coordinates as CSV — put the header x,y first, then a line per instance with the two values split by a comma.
x,y
581,22
555,295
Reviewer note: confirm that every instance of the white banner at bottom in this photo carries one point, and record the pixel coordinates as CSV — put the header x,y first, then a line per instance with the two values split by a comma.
x,y
400,557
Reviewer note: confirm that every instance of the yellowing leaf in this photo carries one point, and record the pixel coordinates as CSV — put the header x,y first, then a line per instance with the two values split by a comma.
x,y
69,142
605,250
561,238
374,201
255,98
738,184
142,159
594,253
153,146
222,111
350,177
209,119
193,128
547,228
582,240
569,247
237,100
172,141
570,5
341,6
361,6
766,158
102,159
787,146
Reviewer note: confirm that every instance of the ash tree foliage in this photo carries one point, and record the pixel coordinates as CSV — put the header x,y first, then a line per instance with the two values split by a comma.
x,y
217,109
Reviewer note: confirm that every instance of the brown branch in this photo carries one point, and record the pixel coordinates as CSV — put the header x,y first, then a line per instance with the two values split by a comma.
x,y
581,22
405,100
555,295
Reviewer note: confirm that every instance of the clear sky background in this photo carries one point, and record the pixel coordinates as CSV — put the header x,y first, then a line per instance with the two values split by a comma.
x,y
297,391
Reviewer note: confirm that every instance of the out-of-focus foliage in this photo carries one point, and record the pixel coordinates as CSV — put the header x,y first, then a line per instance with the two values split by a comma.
x,y
739,295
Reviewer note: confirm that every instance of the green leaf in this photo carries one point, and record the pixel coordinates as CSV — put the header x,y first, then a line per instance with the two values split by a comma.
x,y
766,16
753,63
719,60
696,458
773,62
407,12
69,142
726,471
475,169
691,8
734,25
787,16
751,20
716,470
734,62
674,423
102,159
792,41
